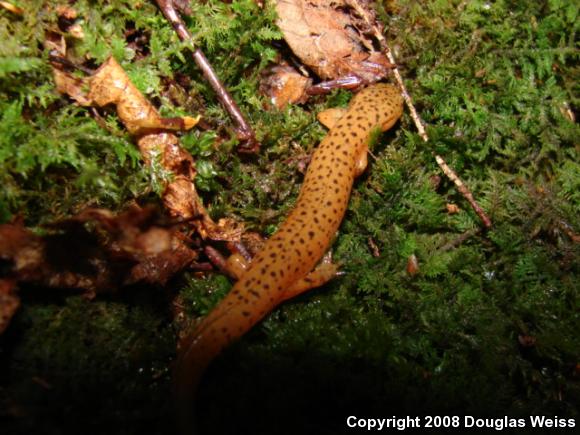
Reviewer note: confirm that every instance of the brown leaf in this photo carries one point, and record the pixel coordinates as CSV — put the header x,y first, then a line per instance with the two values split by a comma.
x,y
66,12
284,85
111,85
96,251
329,37
452,208
12,8
412,265
9,302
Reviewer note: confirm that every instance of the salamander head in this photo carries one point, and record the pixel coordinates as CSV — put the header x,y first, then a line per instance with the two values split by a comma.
x,y
382,103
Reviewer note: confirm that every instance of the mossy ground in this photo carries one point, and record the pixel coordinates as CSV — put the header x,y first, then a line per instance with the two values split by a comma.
x,y
495,81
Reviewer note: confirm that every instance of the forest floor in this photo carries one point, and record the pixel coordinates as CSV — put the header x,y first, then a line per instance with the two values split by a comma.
x,y
487,327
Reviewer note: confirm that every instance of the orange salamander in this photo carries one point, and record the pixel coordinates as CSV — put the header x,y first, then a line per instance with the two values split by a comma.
x,y
287,264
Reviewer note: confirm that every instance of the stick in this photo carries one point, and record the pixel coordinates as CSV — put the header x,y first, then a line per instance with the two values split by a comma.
x,y
243,130
461,187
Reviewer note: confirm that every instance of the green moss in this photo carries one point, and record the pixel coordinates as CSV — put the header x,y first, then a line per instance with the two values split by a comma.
x,y
495,82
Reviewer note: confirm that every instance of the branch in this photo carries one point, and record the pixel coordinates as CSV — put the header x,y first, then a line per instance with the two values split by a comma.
x,y
461,187
243,130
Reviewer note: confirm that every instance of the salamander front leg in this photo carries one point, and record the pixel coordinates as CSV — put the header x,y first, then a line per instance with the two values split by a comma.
x,y
324,272
361,161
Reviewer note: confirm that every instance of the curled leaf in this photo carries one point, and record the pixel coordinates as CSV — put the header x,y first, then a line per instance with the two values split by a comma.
x,y
110,85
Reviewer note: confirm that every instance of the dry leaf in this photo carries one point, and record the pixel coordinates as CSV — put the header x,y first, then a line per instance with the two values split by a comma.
x,y
284,85
12,8
527,340
110,85
412,265
330,38
9,303
66,12
452,208
66,83
109,251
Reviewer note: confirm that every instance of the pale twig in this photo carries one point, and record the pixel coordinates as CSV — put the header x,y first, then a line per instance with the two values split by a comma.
x,y
461,187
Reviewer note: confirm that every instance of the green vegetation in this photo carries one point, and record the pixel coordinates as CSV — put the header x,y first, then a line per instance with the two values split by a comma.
x,y
496,82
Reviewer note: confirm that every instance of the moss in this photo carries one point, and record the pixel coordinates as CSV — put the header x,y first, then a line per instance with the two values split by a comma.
x,y
495,81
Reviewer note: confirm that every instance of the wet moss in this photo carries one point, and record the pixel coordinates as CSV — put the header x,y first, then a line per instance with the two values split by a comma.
x,y
488,327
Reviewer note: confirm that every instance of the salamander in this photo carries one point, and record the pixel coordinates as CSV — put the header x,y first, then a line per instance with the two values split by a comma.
x,y
286,266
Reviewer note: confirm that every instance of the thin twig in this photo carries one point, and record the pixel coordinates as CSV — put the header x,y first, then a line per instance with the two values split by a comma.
x,y
461,187
243,130
55,58
459,240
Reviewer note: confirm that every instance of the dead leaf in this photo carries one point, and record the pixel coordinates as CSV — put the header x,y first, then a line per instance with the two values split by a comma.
x,y
374,248
9,302
66,12
96,250
412,265
331,38
12,8
284,85
110,85
452,208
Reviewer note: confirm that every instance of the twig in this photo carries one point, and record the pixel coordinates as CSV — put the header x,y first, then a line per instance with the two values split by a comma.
x,y
243,130
459,240
56,58
461,187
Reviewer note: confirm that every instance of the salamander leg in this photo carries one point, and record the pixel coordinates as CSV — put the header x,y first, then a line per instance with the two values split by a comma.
x,y
323,273
330,117
362,161
236,265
